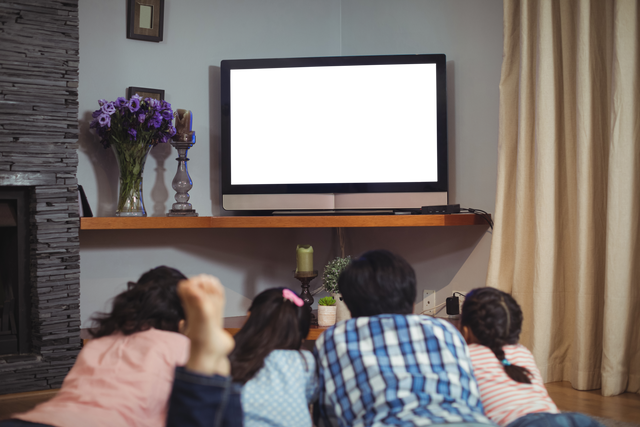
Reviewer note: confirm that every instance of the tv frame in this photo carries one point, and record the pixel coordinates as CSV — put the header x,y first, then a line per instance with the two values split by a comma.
x,y
342,196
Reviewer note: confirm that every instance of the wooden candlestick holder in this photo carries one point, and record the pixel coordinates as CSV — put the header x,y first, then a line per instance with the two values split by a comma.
x,y
305,278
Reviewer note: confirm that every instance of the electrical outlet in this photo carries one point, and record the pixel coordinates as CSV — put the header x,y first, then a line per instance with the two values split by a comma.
x,y
429,302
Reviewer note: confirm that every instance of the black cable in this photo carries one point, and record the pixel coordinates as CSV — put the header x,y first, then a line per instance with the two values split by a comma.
x,y
460,293
480,213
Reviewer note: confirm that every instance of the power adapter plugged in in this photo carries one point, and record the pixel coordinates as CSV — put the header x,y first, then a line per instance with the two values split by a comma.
x,y
453,305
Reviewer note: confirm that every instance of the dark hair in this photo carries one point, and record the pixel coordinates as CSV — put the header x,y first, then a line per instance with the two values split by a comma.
x,y
151,302
274,323
378,282
495,318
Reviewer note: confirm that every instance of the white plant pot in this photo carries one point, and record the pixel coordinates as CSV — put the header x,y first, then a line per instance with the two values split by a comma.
x,y
326,315
342,312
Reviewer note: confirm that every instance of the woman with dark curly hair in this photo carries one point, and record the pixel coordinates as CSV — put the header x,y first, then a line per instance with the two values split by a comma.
x,y
123,376
511,387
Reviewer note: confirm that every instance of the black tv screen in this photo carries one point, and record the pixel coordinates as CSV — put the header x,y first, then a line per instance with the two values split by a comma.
x,y
334,133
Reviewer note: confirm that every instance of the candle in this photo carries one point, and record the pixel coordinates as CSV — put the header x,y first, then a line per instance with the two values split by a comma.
x,y
304,258
183,121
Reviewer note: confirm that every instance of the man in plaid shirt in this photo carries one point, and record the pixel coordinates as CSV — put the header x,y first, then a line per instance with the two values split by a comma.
x,y
387,366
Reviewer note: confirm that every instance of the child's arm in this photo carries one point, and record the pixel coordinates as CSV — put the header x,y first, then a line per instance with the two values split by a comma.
x,y
202,400
203,394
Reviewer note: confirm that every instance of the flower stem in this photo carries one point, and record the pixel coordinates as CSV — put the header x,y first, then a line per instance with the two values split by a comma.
x,y
131,159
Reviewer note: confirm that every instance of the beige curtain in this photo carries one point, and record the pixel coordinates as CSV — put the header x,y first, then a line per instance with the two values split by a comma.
x,y
567,237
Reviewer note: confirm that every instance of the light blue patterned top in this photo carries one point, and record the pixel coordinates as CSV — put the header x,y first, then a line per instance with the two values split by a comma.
x,y
280,393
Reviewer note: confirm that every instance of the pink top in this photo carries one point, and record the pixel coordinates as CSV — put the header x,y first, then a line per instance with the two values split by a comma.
x,y
117,380
504,399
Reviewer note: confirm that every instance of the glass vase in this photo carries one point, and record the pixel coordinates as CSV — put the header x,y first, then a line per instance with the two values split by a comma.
x,y
131,159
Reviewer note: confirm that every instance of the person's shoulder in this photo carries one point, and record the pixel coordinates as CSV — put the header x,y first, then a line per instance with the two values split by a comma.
x,y
518,352
173,346
147,337
288,357
478,348
480,352
342,328
307,355
164,336
519,348
344,331
386,321
430,322
290,361
150,348
382,323
389,323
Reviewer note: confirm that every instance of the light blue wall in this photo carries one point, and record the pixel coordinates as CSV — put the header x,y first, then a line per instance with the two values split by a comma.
x,y
198,35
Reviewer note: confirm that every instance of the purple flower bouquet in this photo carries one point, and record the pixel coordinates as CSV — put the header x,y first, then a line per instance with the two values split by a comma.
x,y
132,127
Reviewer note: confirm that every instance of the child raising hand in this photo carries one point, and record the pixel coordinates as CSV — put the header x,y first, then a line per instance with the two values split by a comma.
x,y
203,393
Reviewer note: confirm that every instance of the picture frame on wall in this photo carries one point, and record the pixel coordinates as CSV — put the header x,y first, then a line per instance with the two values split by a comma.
x,y
146,92
145,20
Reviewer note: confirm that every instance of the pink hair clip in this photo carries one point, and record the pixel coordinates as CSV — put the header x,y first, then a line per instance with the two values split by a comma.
x,y
291,296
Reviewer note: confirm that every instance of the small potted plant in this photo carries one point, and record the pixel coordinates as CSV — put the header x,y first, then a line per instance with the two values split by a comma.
x,y
330,284
326,311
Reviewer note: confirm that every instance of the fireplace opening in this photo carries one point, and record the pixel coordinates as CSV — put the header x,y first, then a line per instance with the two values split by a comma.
x,y
14,271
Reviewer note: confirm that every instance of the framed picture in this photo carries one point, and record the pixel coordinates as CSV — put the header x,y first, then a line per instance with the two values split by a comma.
x,y
146,92
145,19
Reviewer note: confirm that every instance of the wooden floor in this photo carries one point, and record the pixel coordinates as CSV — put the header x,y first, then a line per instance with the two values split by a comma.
x,y
625,407
21,402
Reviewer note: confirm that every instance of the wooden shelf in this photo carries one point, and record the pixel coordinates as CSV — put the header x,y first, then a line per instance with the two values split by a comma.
x,y
233,325
328,221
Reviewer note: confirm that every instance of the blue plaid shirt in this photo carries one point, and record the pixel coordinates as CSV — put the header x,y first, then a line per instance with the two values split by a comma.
x,y
391,369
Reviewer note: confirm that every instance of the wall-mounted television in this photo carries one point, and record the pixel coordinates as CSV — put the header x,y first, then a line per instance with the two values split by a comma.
x,y
334,133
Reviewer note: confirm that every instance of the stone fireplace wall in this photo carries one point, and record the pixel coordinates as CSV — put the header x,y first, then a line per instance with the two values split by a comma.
x,y
38,143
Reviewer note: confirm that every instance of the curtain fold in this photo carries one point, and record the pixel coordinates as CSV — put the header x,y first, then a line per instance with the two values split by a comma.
x,y
566,243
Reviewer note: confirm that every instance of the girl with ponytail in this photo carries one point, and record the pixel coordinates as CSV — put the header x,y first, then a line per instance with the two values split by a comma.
x,y
511,387
279,380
